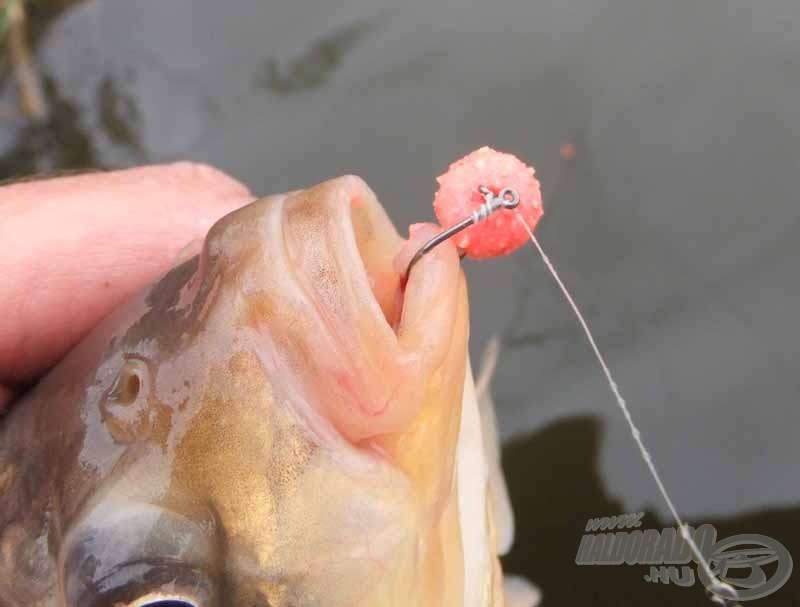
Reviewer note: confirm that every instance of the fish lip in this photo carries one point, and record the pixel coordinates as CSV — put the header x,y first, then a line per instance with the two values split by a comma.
x,y
368,247
329,295
315,275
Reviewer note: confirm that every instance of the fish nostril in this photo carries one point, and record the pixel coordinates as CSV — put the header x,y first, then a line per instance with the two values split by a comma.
x,y
130,388
129,382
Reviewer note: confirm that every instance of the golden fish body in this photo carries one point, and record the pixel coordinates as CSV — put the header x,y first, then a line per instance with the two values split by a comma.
x,y
276,422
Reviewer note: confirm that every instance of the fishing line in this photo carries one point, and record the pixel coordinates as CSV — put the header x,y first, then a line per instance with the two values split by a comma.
x,y
635,432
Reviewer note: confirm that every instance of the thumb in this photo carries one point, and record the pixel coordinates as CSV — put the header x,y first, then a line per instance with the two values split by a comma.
x,y
73,248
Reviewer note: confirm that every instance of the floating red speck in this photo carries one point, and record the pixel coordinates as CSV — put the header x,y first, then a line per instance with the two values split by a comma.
x,y
459,195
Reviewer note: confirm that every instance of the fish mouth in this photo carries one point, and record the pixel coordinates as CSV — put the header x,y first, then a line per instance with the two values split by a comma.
x,y
361,344
340,227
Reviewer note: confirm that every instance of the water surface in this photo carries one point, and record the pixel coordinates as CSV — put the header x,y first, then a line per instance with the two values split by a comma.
x,y
675,224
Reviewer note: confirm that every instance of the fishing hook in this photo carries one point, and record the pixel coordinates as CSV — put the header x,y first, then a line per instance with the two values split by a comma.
x,y
508,198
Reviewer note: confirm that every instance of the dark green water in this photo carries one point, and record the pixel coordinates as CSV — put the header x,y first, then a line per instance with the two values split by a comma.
x,y
675,224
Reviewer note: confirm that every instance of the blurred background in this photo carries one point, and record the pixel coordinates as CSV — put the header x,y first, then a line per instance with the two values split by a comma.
x,y
667,139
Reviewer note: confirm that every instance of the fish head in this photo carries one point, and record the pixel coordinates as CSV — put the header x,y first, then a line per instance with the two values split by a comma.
x,y
274,423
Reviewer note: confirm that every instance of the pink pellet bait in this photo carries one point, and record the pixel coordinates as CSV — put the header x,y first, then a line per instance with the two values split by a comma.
x,y
459,195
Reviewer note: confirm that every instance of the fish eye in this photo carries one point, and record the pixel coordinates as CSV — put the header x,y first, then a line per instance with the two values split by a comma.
x,y
159,600
135,554
165,603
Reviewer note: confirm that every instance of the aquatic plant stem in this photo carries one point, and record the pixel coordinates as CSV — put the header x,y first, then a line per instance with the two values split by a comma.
x,y
31,97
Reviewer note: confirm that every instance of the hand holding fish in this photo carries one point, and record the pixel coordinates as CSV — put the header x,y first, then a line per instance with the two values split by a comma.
x,y
74,248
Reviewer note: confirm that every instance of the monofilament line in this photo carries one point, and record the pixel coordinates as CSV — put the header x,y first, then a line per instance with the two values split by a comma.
x,y
637,437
